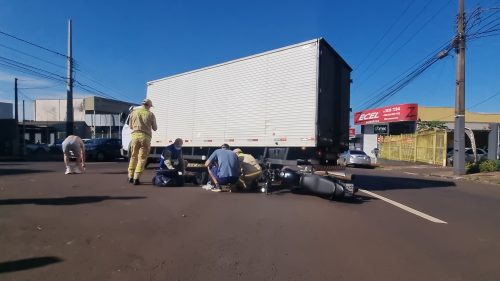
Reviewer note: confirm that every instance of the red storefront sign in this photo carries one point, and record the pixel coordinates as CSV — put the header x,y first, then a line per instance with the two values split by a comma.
x,y
393,113
352,132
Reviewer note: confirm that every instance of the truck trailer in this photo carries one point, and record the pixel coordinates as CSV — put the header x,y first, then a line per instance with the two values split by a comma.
x,y
283,105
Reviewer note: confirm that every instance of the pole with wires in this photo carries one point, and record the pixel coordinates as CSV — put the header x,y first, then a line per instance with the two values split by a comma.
x,y
459,130
69,91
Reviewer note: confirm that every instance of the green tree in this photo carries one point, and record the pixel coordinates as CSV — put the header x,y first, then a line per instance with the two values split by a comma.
x,y
430,125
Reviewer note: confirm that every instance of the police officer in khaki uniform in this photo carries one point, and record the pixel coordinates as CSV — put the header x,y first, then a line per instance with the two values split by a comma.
x,y
142,122
250,170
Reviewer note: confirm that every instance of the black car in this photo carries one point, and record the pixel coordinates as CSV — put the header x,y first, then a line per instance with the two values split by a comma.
x,y
102,149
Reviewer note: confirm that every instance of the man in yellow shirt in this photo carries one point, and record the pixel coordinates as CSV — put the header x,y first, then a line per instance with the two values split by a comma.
x,y
141,122
250,170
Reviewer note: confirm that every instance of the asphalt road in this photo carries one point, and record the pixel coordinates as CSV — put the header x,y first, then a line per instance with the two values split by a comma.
x,y
96,226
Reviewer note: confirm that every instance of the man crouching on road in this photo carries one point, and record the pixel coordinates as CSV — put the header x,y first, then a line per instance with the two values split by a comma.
x,y
250,170
74,144
141,122
223,167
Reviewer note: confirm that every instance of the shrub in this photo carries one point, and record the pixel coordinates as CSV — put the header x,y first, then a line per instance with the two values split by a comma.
x,y
471,168
487,166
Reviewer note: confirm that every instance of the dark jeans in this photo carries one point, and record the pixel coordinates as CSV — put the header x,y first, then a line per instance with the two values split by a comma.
x,y
223,180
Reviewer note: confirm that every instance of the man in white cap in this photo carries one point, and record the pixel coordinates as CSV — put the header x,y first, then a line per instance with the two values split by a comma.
x,y
142,122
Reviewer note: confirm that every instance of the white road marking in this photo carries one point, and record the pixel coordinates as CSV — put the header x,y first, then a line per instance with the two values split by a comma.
x,y
410,173
406,208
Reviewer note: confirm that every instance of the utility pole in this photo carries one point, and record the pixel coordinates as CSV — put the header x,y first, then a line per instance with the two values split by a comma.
x,y
459,132
15,101
24,132
16,116
69,91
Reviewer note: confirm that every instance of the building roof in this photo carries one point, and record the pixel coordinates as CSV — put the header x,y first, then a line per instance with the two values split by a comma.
x,y
447,114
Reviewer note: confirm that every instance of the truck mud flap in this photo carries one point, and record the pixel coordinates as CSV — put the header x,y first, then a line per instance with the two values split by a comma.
x,y
322,186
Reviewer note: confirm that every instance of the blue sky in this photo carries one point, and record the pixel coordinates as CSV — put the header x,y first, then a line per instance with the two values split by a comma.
x,y
120,45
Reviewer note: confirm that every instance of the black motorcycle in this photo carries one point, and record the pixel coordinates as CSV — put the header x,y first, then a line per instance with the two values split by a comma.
x,y
305,178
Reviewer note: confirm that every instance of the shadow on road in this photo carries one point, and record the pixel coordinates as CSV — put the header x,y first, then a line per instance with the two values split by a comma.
x,y
115,173
25,264
356,199
387,183
10,172
73,200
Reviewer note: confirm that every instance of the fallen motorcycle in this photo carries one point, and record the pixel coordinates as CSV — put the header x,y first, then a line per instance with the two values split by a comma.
x,y
331,185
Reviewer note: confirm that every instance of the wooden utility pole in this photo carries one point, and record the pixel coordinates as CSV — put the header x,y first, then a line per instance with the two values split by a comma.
x,y
459,132
69,91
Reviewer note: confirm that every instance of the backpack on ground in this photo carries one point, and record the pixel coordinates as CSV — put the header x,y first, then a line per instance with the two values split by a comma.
x,y
167,178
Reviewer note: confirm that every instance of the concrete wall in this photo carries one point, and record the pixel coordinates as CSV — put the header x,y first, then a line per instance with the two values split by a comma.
x,y
6,110
55,110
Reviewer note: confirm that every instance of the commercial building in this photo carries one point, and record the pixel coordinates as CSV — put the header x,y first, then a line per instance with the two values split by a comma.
x,y
94,117
8,124
6,110
403,119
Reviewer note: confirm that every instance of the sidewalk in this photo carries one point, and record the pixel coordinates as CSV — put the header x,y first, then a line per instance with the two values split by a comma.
x,y
437,171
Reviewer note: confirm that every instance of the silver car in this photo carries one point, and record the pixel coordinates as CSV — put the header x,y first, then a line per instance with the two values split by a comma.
x,y
354,158
469,155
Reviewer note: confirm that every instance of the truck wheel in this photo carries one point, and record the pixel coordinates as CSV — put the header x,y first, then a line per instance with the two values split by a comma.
x,y
200,178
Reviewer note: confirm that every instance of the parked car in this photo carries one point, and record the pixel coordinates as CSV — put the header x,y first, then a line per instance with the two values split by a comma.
x,y
469,155
37,148
102,149
354,158
56,146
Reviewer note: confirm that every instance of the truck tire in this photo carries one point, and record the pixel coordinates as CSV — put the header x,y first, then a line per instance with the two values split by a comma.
x,y
201,178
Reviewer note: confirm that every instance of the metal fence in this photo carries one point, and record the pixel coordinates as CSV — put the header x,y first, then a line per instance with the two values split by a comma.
x,y
428,147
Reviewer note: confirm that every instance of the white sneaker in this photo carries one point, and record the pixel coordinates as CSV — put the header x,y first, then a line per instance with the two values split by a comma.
x,y
207,186
77,171
68,171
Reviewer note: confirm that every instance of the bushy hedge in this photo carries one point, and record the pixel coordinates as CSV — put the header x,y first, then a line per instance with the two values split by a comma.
x,y
482,167
487,166
471,168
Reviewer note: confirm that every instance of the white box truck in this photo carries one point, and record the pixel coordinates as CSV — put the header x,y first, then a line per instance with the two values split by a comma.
x,y
286,104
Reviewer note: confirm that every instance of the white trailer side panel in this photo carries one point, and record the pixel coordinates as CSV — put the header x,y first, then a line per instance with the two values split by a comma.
x,y
268,99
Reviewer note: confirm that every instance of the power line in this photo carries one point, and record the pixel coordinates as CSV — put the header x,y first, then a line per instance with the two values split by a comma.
x,y
441,51
119,93
485,100
385,34
409,39
400,84
33,44
472,106
397,37
26,54
40,88
31,69
93,90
